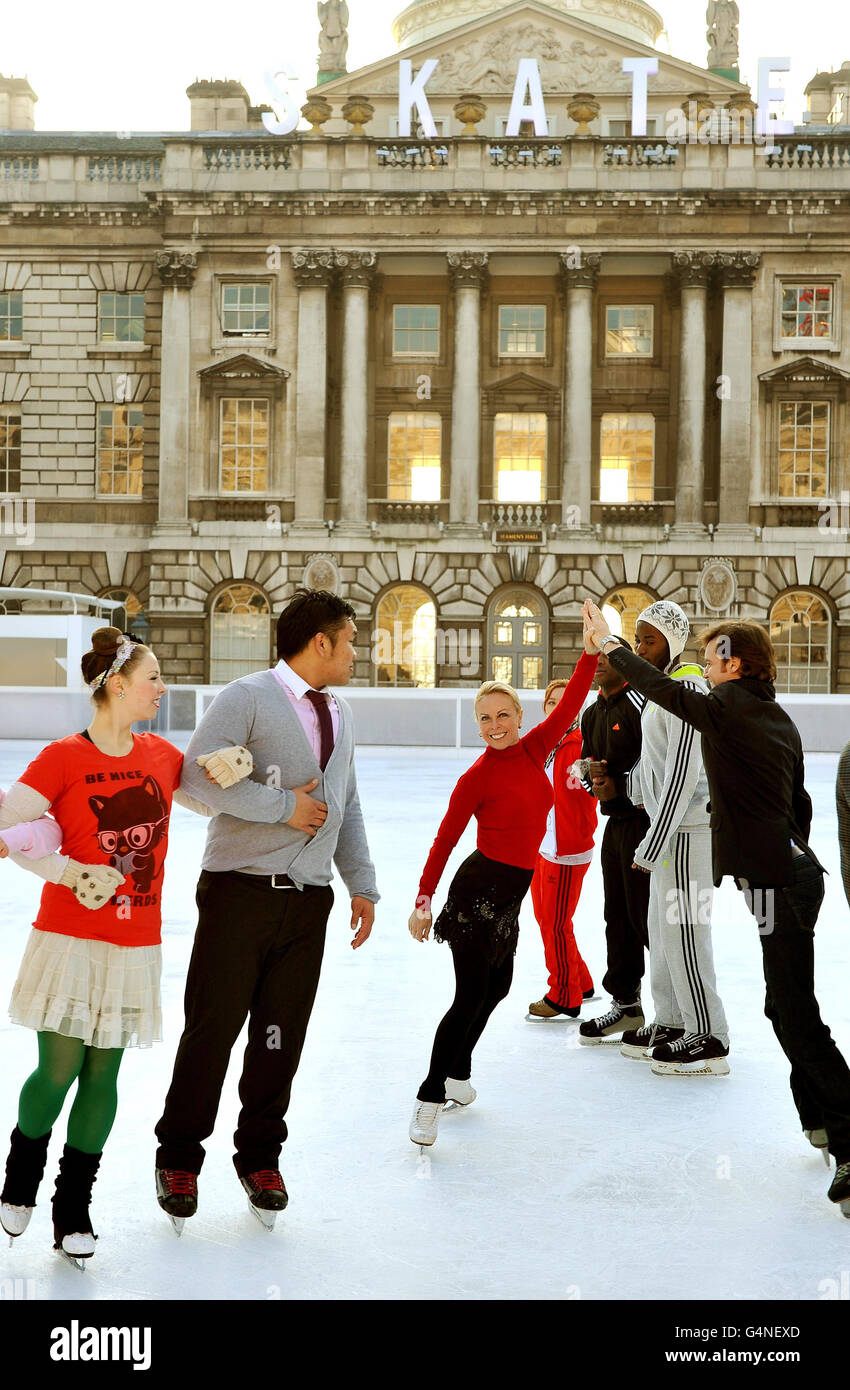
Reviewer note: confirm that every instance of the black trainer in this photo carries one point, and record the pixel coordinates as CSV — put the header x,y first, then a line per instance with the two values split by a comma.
x,y
637,1041
695,1054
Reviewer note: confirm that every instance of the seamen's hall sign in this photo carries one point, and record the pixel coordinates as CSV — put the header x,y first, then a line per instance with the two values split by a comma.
x,y
528,102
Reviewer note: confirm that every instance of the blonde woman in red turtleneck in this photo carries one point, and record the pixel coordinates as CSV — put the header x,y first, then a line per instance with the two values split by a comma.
x,y
509,794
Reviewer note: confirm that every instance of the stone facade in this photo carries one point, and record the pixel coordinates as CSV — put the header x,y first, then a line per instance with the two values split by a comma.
x,y
334,231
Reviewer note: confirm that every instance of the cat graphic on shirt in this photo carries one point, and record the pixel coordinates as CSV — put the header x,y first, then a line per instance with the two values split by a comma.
x,y
130,825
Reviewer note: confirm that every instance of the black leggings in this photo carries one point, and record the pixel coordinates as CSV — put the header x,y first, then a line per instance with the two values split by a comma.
x,y
479,987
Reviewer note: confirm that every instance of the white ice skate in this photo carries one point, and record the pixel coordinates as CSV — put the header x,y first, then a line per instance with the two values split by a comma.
x,y
426,1118
819,1140
14,1220
459,1093
77,1248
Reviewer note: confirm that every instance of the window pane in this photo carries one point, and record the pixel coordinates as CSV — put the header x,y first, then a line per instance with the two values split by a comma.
x,y
245,309
413,456
628,330
522,330
121,317
626,458
503,669
416,330
804,448
243,444
10,453
532,634
807,310
404,642
532,670
520,450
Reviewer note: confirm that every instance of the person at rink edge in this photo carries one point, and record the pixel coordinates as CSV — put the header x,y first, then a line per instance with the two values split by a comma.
x,y
264,897
610,730
760,819
89,982
689,1036
562,862
509,793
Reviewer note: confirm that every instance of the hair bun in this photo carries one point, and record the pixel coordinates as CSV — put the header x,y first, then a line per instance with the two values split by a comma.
x,y
106,641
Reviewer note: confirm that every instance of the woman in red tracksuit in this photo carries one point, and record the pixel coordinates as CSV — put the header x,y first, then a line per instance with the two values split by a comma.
x,y
565,853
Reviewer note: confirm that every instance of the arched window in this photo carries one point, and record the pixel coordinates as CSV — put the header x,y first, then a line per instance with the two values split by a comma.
x,y
239,633
519,640
801,632
621,609
404,638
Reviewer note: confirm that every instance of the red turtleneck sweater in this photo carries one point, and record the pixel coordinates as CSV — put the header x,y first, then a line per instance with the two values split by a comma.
x,y
508,791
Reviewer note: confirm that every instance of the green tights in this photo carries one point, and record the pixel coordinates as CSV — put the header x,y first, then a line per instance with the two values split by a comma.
x,y
61,1062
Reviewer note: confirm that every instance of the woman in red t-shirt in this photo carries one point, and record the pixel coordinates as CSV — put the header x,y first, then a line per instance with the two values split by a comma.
x,y
89,979
509,794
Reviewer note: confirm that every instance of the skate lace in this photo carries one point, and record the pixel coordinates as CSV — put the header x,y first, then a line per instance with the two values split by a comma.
x,y
427,1111
613,1015
268,1180
180,1183
688,1041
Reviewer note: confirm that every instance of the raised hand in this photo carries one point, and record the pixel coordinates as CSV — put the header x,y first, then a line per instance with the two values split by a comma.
x,y
595,627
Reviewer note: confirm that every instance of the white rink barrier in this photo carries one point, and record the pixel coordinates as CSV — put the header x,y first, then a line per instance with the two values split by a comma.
x,y
412,718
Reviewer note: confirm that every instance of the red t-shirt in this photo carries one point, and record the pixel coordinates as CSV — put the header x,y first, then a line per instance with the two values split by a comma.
x,y
508,792
111,811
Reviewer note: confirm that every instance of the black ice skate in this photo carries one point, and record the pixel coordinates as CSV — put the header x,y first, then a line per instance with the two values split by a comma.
x,y
266,1195
177,1194
637,1041
24,1171
607,1028
696,1054
840,1190
72,1229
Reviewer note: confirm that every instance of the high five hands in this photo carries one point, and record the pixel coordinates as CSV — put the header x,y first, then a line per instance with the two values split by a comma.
x,y
595,627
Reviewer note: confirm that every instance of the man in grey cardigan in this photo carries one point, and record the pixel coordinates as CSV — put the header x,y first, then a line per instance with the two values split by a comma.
x,y
264,897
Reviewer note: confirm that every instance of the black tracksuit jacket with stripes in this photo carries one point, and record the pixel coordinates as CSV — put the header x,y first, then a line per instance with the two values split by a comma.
x,y
610,731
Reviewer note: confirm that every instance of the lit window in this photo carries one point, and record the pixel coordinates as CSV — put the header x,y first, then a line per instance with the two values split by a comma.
x,y
404,641
11,316
626,458
10,453
522,330
244,444
414,457
519,456
803,448
621,610
503,669
801,633
121,317
416,330
628,330
239,634
245,310
120,450
807,311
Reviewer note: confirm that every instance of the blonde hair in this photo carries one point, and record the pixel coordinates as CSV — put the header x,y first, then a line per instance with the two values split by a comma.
x,y
497,688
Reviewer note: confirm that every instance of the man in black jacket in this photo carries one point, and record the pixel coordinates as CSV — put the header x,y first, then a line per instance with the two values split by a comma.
x,y
610,732
760,819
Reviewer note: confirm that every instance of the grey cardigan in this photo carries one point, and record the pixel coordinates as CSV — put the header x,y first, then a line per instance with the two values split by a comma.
x,y
250,833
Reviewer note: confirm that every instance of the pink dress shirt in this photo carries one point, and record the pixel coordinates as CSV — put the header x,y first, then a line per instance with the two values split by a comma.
x,y
34,838
295,686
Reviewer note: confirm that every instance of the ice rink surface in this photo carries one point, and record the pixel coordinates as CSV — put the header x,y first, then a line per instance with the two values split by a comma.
x,y
573,1167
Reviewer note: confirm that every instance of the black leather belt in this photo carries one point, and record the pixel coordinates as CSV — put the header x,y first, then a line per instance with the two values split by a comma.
x,y
273,881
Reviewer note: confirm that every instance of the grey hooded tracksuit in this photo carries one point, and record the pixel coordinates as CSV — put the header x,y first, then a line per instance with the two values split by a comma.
x,y
671,783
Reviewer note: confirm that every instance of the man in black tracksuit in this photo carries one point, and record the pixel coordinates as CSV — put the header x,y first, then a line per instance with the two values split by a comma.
x,y
611,735
760,819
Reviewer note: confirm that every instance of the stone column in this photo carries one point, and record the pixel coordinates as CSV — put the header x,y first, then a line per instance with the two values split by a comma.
x,y
737,275
468,272
176,270
693,269
578,282
313,271
358,272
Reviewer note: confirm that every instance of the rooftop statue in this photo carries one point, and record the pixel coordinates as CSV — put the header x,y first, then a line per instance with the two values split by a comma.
x,y
333,38
722,33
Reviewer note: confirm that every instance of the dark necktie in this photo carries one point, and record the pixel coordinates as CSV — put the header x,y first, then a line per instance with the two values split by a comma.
x,y
320,704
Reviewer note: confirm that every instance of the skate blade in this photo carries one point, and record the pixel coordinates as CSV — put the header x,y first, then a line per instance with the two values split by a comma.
x,y
556,1018
614,1041
826,1157
78,1261
707,1069
845,1207
178,1222
265,1218
637,1054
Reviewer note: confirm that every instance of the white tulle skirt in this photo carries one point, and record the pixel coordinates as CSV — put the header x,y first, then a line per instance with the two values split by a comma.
x,y
108,996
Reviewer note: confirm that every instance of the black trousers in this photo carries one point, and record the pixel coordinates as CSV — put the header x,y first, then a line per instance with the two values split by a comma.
x,y
479,987
820,1078
258,952
626,906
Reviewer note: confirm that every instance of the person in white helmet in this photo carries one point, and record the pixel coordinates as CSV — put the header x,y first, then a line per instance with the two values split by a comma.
x,y
689,1035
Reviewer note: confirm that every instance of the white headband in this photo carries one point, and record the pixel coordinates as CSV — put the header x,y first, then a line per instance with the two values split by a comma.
x,y
125,651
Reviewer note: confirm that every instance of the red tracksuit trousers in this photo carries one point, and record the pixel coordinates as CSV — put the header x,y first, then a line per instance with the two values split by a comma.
x,y
555,891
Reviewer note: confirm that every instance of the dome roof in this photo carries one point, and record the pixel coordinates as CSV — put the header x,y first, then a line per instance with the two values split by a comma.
x,y
633,19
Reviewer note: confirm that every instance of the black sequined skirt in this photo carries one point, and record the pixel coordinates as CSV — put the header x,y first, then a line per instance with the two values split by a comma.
x,y
483,906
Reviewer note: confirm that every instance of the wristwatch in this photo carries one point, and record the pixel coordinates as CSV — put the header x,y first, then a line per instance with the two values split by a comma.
x,y
609,638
